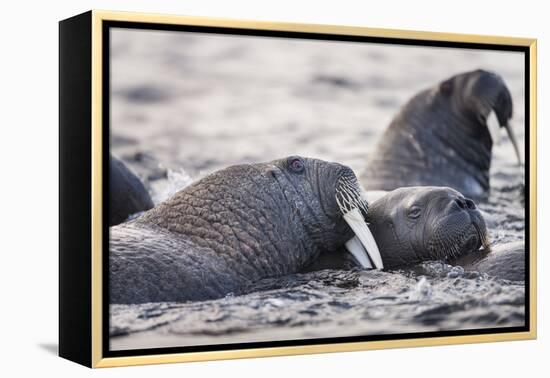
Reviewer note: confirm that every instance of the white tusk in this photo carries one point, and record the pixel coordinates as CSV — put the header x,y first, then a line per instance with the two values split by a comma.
x,y
514,141
494,130
494,127
373,195
357,250
355,220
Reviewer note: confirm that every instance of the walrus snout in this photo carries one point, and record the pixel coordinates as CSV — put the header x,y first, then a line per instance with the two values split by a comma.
x,y
346,172
416,224
465,203
464,227
488,92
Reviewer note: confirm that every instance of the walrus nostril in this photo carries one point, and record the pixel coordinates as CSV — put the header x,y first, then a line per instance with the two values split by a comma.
x,y
470,204
461,203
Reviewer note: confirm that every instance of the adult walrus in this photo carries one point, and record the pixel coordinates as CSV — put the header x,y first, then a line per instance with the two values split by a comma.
x,y
443,137
234,227
127,195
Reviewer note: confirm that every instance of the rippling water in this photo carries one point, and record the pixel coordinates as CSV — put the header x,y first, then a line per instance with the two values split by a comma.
x,y
184,104
328,303
431,296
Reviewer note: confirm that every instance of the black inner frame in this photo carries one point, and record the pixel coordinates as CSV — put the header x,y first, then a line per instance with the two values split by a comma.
x,y
106,27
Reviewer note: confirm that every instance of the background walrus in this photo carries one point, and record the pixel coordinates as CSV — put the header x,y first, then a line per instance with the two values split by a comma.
x,y
127,195
441,137
232,228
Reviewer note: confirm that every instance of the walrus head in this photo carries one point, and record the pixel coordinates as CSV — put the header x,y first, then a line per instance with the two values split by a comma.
x,y
276,216
416,224
443,136
333,190
484,100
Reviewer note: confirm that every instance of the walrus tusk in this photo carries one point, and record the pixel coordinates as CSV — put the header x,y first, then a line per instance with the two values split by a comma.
x,y
514,141
357,250
493,127
355,220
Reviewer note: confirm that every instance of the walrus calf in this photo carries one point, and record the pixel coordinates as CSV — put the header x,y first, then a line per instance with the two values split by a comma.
x,y
127,195
416,224
234,227
444,136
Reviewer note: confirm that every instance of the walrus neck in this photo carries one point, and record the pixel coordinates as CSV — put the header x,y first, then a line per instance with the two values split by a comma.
x,y
473,157
305,216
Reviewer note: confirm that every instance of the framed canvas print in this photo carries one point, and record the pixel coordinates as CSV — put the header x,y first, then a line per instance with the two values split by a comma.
x,y
235,189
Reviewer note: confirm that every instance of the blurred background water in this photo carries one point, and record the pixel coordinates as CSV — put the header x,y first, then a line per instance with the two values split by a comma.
x,y
184,105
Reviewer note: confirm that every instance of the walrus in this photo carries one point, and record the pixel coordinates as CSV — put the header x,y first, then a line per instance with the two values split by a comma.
x,y
237,226
505,261
444,136
416,224
127,195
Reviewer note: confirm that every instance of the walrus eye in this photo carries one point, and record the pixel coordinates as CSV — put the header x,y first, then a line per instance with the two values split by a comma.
x,y
414,212
296,165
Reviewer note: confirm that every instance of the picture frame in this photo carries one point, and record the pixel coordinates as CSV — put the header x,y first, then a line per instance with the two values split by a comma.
x,y
85,112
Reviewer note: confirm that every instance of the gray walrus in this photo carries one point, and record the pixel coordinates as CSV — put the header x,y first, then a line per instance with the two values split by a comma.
x,y
127,195
234,227
442,137
506,261
416,224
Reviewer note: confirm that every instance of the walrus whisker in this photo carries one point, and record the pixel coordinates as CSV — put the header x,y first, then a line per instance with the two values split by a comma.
x,y
353,195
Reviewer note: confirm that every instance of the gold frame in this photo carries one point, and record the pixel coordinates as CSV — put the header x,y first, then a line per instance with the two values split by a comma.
x,y
97,149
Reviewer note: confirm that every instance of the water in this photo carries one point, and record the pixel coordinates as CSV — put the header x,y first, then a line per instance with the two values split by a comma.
x,y
184,106
431,296
328,303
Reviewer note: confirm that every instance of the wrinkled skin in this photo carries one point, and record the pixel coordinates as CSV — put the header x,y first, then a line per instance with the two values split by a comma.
x,y
440,137
227,230
127,195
